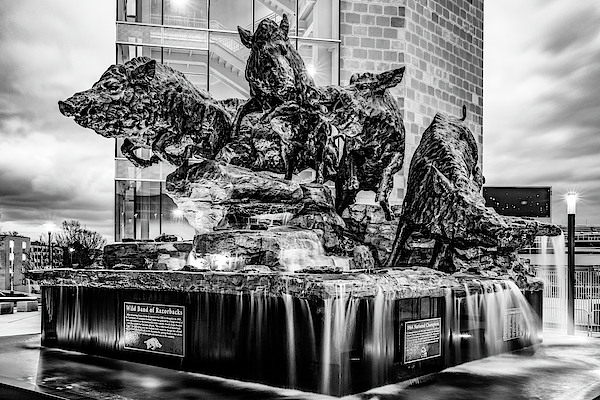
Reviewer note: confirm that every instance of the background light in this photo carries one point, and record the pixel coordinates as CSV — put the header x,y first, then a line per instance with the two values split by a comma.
x,y
572,202
177,214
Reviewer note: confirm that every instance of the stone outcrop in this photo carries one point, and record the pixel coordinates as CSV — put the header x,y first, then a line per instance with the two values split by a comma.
x,y
367,223
443,202
281,249
221,196
147,255
209,191
409,283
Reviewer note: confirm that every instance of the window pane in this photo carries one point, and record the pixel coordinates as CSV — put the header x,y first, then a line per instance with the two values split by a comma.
x,y
318,19
124,210
138,208
191,62
139,35
144,211
124,169
127,52
275,11
148,11
229,14
186,13
147,214
227,66
186,38
322,61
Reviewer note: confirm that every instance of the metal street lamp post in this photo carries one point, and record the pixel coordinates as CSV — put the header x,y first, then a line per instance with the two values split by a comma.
x,y
71,250
49,227
50,247
571,206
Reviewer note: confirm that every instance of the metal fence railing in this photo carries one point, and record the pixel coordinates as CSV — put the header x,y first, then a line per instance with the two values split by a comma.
x,y
587,297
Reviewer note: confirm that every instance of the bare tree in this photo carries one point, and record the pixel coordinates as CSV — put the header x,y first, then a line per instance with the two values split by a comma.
x,y
9,233
80,245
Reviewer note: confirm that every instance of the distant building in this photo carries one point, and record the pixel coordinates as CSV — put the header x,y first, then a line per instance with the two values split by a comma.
x,y
39,256
14,251
522,201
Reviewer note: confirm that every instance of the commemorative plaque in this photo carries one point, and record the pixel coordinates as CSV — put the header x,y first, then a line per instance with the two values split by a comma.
x,y
155,328
422,339
514,324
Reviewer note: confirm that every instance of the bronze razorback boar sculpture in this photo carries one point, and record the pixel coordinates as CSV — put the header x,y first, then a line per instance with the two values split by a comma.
x,y
154,107
369,121
364,113
443,202
285,127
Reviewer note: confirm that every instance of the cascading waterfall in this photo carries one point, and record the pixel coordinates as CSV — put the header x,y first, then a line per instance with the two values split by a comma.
x,y
339,321
377,346
531,320
72,323
495,316
553,270
301,249
288,302
494,305
452,327
194,261
544,257
559,303
473,316
293,249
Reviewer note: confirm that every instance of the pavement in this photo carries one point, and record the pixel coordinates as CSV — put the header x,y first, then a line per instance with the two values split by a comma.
x,y
20,323
562,368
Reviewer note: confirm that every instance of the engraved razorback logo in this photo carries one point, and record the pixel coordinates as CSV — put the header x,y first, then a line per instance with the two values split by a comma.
x,y
152,344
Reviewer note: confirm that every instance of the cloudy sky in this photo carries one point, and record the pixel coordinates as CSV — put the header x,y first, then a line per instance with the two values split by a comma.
x,y
541,107
542,99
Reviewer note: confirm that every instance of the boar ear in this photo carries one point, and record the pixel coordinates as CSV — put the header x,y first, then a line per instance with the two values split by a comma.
x,y
145,71
390,78
246,37
284,26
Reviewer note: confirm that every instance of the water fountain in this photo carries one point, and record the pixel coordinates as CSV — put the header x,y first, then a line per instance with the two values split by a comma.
x,y
321,295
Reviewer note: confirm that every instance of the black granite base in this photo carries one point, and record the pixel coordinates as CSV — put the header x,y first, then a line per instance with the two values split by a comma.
x,y
325,346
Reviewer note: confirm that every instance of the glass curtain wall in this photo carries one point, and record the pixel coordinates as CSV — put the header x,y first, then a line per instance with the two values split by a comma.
x,y
199,38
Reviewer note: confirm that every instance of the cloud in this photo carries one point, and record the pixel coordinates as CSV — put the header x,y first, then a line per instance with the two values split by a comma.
x,y
568,27
50,168
541,94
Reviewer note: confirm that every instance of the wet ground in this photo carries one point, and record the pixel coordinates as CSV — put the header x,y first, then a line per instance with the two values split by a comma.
x,y
563,367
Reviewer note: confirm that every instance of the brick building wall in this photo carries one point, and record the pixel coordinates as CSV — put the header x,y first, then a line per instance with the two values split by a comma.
x,y
441,44
13,255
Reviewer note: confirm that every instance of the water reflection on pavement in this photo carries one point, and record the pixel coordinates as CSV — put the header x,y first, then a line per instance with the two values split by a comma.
x,y
561,368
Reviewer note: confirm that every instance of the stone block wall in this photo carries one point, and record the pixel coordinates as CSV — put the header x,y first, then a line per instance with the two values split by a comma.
x,y
147,255
441,44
